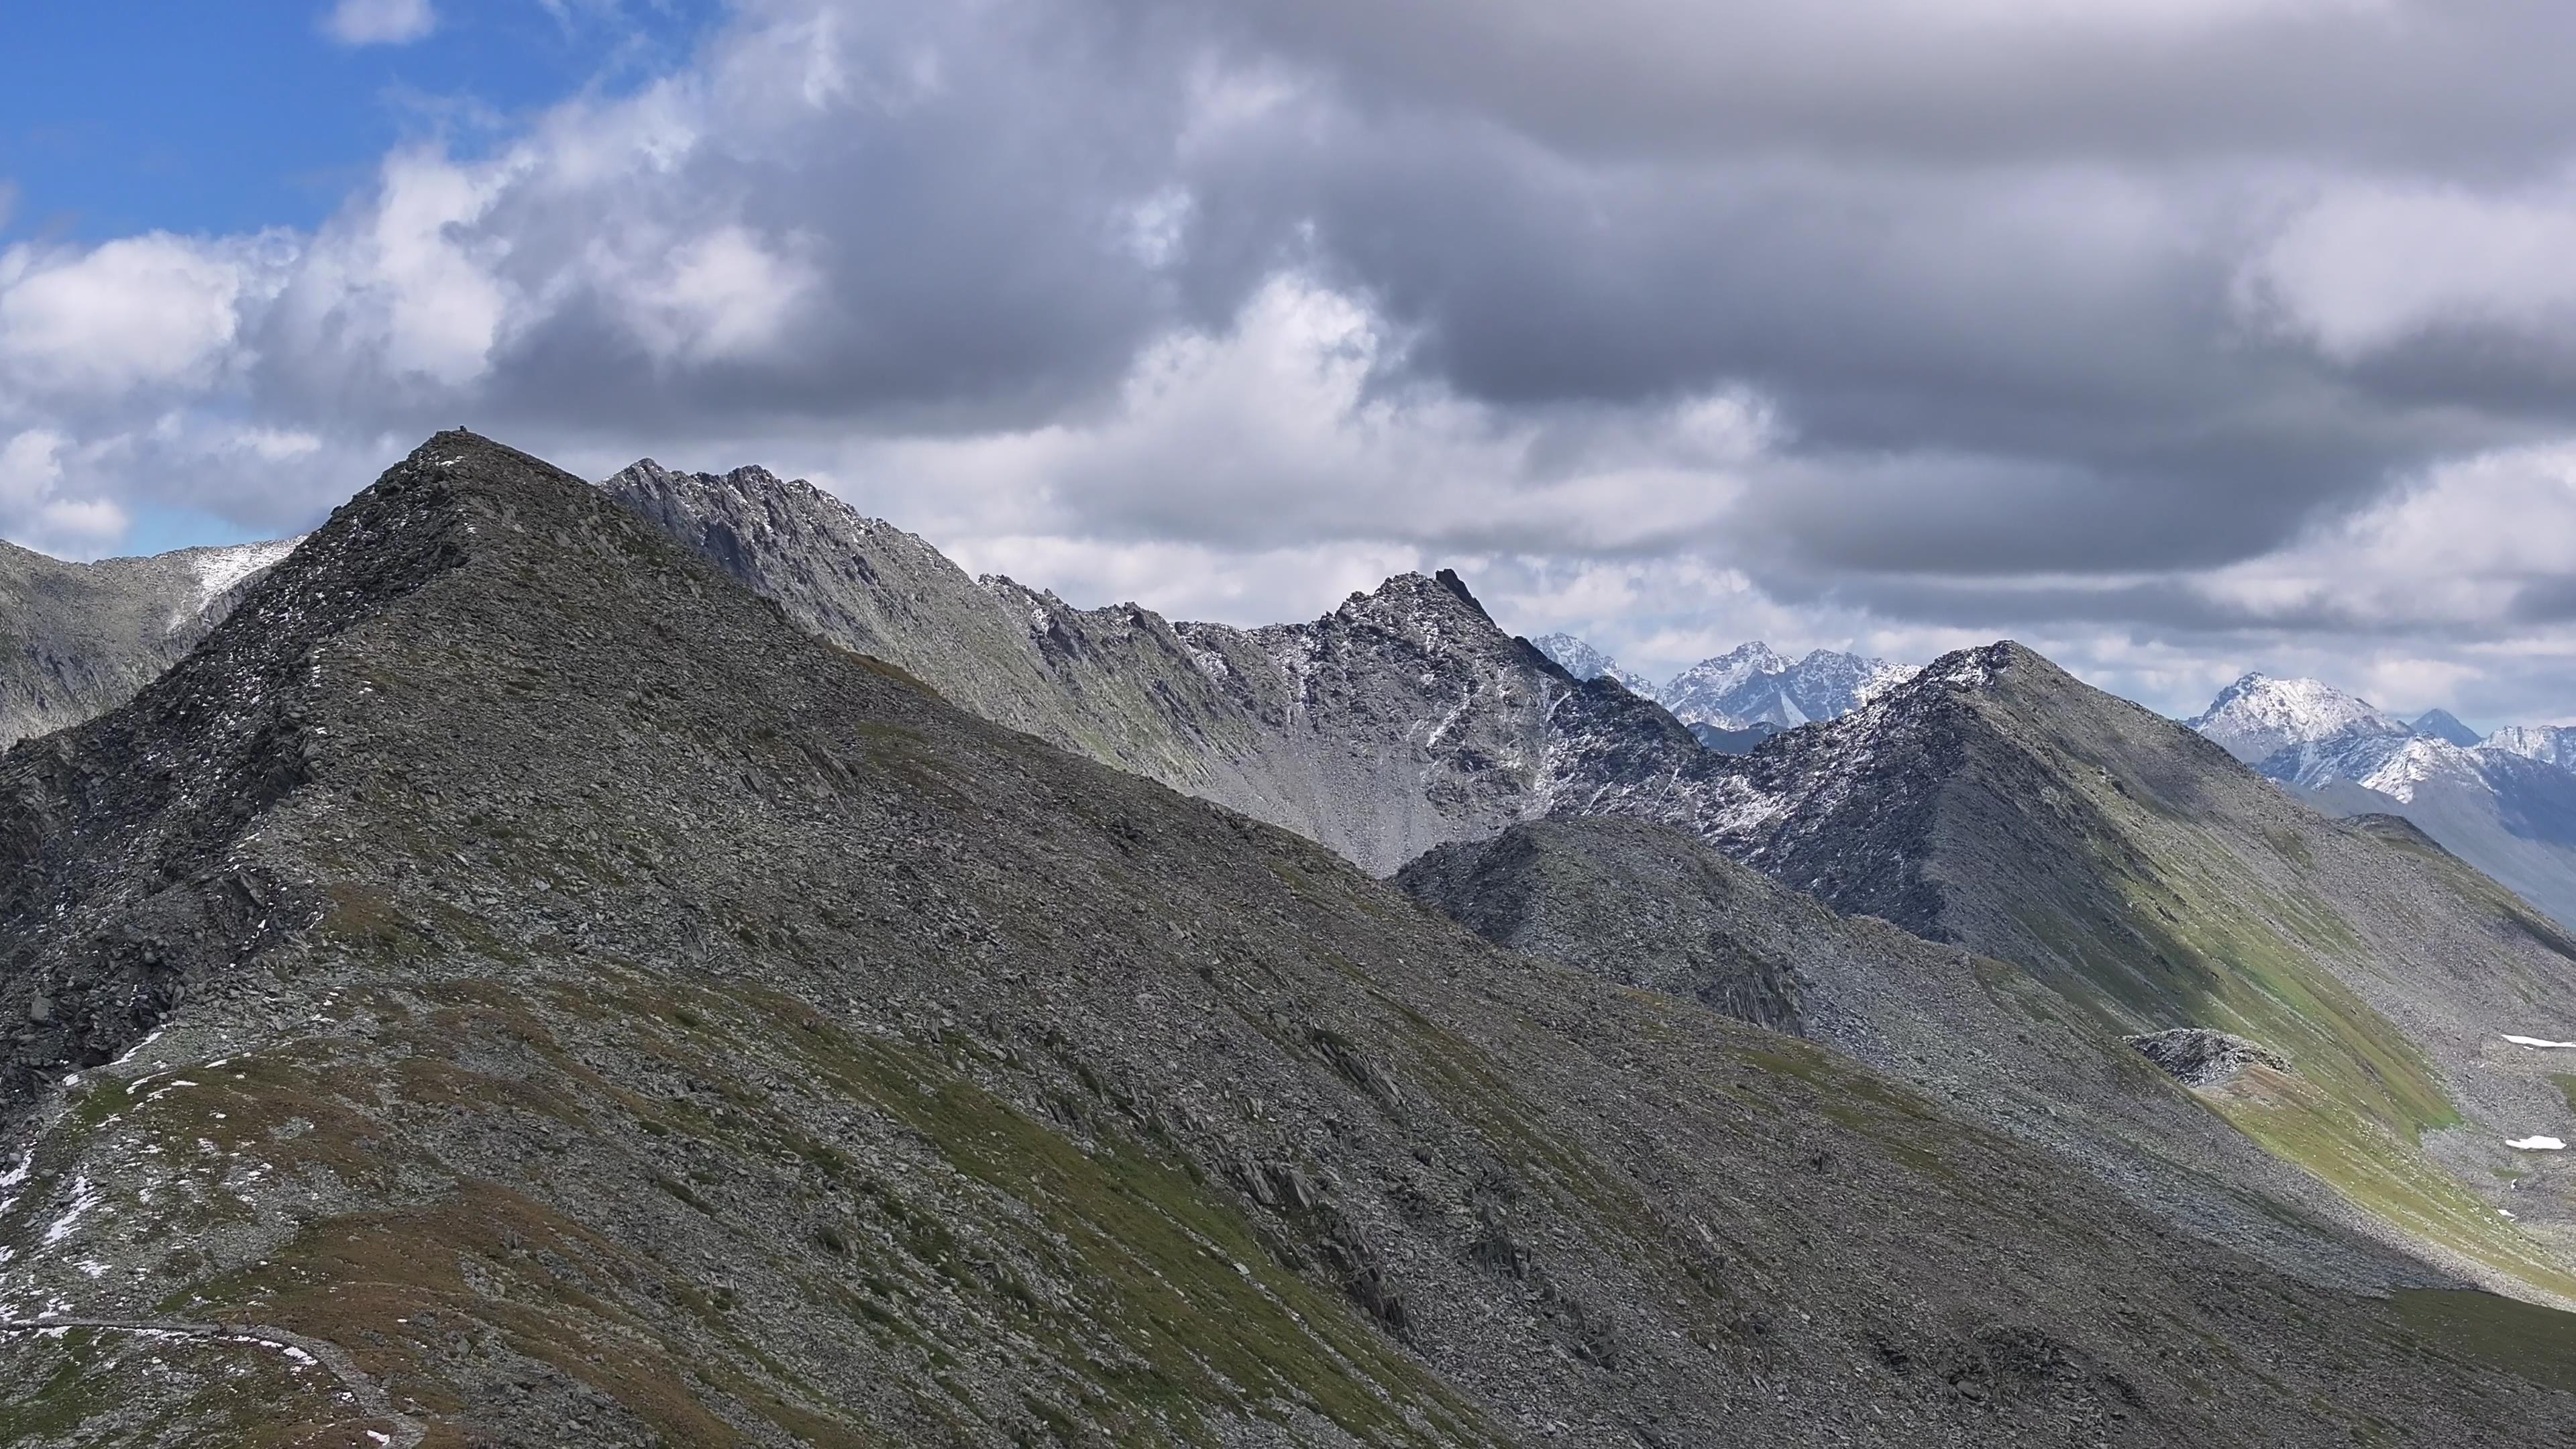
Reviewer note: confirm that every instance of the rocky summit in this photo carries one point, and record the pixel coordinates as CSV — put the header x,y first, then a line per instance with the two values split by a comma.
x,y
1402,720
510,984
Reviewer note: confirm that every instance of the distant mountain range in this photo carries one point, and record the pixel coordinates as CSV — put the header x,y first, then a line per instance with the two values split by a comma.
x,y
1752,688
679,961
2505,803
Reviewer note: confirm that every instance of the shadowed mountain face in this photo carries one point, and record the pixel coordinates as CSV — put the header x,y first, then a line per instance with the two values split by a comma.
x,y
510,986
77,640
2441,724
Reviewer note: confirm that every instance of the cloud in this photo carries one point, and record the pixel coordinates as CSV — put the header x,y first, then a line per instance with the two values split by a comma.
x,y
35,509
2472,543
2140,331
2371,265
149,310
379,22
1294,426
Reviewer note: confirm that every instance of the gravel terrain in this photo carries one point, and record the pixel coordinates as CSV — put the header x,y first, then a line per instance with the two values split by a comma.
x,y
519,988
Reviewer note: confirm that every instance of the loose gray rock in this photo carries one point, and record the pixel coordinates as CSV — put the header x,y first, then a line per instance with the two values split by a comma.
x,y
2198,1057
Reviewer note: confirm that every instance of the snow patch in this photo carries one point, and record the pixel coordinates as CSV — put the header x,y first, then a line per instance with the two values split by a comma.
x,y
2520,1041
221,570
84,1197
2537,1144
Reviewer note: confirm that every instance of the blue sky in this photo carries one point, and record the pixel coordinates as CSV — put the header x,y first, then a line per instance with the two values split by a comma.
x,y
124,116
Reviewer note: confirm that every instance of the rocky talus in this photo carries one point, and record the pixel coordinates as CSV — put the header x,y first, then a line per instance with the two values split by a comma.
x,y
511,985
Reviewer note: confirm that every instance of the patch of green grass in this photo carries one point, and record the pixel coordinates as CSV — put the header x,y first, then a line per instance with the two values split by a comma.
x,y
62,1403
2386,1176
1171,1271
2520,1338
2566,1083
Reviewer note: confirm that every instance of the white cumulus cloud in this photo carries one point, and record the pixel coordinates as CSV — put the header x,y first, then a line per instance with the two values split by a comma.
x,y
151,309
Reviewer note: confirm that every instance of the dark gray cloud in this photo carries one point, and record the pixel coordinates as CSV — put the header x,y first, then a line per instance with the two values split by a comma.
x,y
2151,322
2471,87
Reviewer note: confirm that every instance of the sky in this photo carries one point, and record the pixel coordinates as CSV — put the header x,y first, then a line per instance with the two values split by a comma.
x,y
2174,338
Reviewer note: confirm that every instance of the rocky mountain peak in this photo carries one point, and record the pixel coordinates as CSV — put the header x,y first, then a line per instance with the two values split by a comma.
x,y
2549,744
2443,724
1756,685
1436,611
2259,716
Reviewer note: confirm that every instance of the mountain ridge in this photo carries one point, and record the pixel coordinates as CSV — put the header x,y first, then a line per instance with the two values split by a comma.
x,y
663,1025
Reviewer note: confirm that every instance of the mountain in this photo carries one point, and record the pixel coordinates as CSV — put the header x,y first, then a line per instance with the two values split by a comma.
x,y
1402,720
2510,816
2130,865
2444,725
2509,812
1650,907
1950,804
1585,662
1754,684
2259,716
512,985
2549,744
1733,742
79,639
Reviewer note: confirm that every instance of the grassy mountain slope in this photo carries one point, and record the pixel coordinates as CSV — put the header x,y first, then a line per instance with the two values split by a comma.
x,y
1652,907
511,987
1999,804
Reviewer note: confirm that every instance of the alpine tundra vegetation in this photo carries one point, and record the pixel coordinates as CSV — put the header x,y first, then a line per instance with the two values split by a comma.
x,y
512,983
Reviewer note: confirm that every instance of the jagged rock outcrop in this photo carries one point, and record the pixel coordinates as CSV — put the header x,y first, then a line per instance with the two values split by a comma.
x,y
668,1028
2198,1057
77,640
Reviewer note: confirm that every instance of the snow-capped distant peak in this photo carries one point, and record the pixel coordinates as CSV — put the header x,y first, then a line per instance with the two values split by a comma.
x,y
2259,716
2408,766
1581,660
2444,725
2549,744
1757,684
